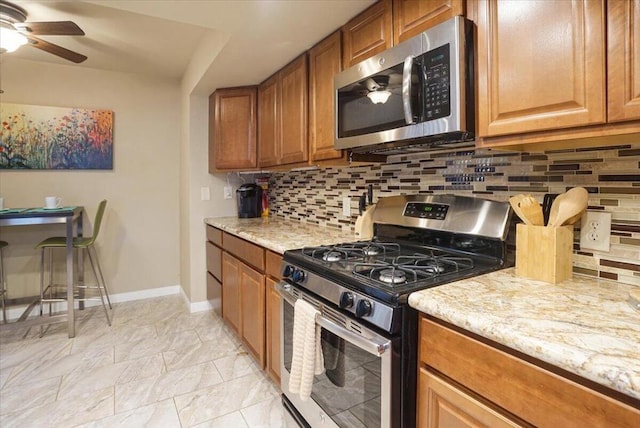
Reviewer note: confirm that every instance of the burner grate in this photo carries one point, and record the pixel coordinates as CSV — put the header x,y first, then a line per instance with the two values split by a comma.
x,y
357,251
410,269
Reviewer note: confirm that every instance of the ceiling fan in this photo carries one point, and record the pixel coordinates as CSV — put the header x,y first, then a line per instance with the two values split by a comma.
x,y
15,31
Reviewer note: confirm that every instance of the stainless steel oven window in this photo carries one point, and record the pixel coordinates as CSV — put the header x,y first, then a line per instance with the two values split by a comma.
x,y
355,391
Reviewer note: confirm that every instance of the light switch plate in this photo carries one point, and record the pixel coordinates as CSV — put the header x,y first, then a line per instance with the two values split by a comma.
x,y
205,194
595,231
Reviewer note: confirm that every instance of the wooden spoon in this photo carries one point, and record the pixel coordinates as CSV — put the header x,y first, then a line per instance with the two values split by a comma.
x,y
568,205
532,210
528,209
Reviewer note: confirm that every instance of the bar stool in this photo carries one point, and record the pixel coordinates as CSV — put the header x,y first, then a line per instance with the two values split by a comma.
x,y
3,287
82,244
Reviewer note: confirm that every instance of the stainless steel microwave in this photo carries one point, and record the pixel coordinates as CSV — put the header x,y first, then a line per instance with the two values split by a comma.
x,y
415,96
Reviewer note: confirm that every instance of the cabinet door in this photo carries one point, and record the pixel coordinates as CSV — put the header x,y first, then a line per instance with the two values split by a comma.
x,y
231,310
252,298
273,331
411,17
293,112
232,129
268,133
214,260
368,34
214,293
442,405
324,62
623,60
540,65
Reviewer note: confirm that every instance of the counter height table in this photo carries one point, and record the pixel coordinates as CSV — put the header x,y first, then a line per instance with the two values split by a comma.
x,y
70,216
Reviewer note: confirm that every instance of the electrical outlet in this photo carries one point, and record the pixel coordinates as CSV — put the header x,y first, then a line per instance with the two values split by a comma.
x,y
346,206
595,231
228,192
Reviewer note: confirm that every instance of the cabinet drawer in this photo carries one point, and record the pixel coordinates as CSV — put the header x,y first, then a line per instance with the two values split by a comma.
x,y
214,260
274,263
536,395
250,253
214,235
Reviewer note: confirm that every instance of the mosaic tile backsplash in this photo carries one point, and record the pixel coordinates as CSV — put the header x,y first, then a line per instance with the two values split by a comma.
x,y
610,174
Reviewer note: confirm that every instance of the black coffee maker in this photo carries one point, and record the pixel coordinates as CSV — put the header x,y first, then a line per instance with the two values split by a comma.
x,y
249,198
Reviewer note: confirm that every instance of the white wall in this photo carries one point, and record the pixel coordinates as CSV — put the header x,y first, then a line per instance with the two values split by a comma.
x,y
139,242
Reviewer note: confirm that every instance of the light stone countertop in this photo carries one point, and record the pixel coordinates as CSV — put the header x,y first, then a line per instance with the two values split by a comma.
x,y
583,325
278,234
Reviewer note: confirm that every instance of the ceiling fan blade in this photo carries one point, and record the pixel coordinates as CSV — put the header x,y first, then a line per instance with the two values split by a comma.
x,y
55,49
55,28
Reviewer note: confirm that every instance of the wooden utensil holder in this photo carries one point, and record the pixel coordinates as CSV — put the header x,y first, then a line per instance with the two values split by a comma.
x,y
544,253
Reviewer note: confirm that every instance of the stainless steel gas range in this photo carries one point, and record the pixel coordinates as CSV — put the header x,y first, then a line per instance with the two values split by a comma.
x,y
368,331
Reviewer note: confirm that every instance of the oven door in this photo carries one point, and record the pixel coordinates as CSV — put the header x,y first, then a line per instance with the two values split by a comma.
x,y
355,389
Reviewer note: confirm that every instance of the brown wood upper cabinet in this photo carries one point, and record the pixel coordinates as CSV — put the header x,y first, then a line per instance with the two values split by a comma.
x,y
542,68
411,17
232,129
389,22
324,62
623,60
282,116
368,34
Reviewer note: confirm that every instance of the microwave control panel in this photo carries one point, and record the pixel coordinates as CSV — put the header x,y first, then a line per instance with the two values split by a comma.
x,y
437,94
426,210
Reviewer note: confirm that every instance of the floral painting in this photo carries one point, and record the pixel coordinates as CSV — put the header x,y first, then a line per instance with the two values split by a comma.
x,y
38,137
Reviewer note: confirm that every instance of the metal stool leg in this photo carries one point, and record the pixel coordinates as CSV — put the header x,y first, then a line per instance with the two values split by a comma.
x,y
104,283
3,289
95,274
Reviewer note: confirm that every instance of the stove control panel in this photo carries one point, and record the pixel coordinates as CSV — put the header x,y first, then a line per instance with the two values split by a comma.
x,y
426,210
296,275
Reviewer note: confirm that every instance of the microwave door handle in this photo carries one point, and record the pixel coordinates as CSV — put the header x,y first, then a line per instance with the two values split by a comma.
x,y
406,90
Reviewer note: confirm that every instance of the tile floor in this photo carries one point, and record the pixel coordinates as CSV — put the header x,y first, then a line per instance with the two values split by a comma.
x,y
157,366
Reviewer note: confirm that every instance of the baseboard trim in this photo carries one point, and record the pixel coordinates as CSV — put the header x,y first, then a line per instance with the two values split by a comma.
x,y
13,313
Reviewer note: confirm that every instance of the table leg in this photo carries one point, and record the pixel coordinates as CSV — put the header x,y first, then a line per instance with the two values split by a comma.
x,y
70,274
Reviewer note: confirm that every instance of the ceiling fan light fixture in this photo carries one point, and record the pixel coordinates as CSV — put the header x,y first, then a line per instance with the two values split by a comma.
x,y
10,39
379,97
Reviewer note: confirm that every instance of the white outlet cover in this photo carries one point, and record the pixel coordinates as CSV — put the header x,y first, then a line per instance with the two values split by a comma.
x,y
595,231
228,194
346,206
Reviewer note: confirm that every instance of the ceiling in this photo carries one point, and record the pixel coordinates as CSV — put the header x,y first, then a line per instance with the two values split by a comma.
x,y
246,40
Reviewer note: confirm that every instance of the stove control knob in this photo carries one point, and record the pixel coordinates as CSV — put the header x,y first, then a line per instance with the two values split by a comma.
x,y
287,271
363,308
298,275
346,300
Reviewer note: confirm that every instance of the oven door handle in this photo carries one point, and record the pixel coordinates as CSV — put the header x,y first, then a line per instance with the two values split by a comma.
x,y
373,345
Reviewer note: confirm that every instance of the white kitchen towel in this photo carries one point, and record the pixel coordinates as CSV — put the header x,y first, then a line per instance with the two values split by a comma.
x,y
306,360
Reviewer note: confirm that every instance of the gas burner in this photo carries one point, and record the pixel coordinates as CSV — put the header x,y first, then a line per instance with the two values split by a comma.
x,y
371,251
436,264
333,256
392,276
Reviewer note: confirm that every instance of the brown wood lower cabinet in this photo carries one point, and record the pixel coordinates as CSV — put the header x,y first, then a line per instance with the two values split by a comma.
x,y
466,382
231,291
442,405
252,299
273,331
250,302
